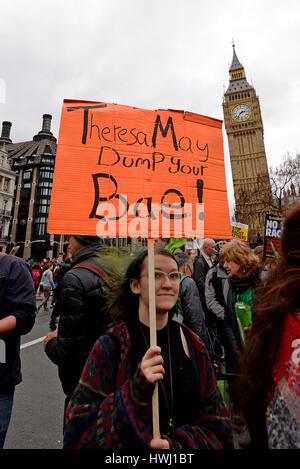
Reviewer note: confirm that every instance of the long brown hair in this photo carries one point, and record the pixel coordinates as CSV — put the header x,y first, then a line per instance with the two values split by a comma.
x,y
121,299
277,297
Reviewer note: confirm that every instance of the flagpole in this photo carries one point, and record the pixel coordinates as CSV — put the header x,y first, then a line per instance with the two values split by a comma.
x,y
153,339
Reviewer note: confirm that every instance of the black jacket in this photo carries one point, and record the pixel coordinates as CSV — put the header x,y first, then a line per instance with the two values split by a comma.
x,y
83,317
214,297
192,312
17,298
201,268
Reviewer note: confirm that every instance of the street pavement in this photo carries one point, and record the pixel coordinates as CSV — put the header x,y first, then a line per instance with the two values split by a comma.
x,y
37,418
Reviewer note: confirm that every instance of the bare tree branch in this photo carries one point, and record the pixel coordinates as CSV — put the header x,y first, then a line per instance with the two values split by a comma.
x,y
272,193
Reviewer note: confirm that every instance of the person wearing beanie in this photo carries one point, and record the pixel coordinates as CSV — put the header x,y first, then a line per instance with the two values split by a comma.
x,y
82,310
87,240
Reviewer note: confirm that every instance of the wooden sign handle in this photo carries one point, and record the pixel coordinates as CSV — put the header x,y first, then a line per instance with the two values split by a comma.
x,y
153,340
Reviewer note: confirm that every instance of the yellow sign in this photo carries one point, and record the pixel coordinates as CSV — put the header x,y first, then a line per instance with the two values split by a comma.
x,y
239,231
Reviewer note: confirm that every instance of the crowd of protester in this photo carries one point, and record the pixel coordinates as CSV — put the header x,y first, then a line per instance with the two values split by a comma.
x,y
228,327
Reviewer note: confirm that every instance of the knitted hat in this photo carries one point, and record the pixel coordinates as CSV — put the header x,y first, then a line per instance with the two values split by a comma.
x,y
87,240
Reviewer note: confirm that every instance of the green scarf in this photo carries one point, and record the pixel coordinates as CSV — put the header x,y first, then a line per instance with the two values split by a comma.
x,y
240,285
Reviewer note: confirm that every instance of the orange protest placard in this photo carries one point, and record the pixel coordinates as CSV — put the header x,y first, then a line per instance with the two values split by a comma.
x,y
121,171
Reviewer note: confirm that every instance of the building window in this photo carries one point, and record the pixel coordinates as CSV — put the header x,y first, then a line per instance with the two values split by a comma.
x,y
41,229
26,175
43,209
44,202
5,185
25,195
46,175
38,229
45,191
46,159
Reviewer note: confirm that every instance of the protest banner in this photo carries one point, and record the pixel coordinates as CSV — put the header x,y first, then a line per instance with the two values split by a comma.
x,y
121,171
272,233
239,231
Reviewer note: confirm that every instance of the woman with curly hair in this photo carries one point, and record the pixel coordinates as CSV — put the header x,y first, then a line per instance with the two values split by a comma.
x,y
242,267
268,389
112,404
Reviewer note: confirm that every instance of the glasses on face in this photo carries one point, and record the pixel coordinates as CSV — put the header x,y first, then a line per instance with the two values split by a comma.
x,y
160,277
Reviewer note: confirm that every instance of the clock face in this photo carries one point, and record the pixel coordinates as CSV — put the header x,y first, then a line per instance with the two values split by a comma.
x,y
241,112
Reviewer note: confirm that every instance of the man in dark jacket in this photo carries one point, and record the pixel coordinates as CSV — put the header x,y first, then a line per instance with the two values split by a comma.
x,y
17,316
214,282
215,303
83,314
202,266
191,309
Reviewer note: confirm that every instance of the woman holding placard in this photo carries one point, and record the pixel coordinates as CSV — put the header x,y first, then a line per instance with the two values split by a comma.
x,y
111,406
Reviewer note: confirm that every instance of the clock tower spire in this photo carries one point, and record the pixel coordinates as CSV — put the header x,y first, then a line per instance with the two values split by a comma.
x,y
244,128
237,75
235,65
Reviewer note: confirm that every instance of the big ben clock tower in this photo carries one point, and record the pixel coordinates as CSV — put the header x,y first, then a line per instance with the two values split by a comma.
x,y
244,127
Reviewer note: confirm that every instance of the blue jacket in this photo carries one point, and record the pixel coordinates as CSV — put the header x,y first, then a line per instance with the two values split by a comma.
x,y
17,298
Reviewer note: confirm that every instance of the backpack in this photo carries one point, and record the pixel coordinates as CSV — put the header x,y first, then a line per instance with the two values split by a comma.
x,y
36,276
96,269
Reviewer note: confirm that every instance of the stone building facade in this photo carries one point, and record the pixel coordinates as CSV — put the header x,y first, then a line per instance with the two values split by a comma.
x,y
7,186
245,132
33,162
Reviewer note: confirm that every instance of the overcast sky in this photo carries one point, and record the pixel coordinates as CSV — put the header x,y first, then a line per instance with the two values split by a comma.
x,y
150,54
